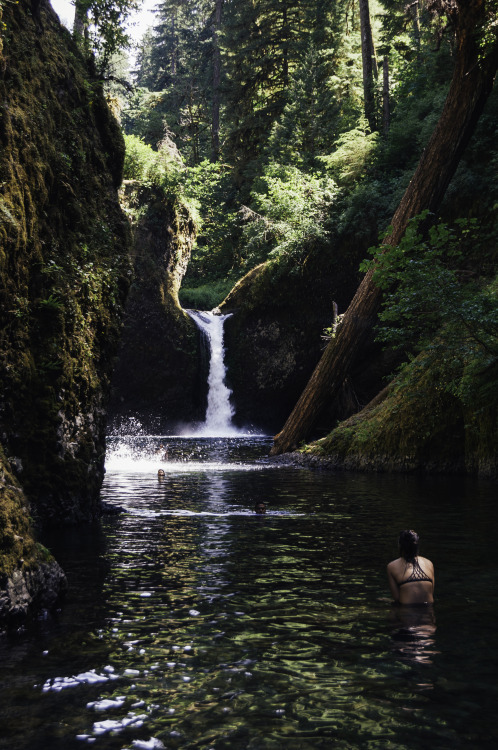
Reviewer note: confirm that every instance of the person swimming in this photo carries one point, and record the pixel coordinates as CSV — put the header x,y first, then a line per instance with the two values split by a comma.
x,y
411,577
260,508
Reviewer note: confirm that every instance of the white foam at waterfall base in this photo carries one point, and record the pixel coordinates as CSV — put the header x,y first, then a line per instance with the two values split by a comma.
x,y
220,411
124,458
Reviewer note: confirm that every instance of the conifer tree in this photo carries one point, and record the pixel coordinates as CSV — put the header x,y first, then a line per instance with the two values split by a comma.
x,y
177,61
265,43
307,126
475,67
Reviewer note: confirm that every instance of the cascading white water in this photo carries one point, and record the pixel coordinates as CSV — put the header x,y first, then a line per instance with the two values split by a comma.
x,y
219,411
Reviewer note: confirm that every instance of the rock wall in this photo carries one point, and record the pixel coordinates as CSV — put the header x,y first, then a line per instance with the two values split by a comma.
x,y
30,579
64,265
157,379
274,340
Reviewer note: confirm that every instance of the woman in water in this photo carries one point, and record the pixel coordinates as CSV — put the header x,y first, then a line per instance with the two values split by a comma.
x,y
411,577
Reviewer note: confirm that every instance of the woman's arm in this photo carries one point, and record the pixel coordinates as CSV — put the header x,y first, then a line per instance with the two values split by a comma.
x,y
392,583
433,576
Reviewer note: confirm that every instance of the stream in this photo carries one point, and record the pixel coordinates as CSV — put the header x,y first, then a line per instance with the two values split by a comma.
x,y
192,622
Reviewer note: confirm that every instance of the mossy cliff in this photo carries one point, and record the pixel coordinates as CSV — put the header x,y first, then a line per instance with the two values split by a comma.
x,y
157,377
64,262
414,424
30,578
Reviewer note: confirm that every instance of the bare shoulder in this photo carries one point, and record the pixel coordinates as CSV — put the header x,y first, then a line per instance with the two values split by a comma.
x,y
394,565
425,563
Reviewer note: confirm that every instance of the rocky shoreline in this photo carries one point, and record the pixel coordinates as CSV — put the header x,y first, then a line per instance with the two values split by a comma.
x,y
28,592
371,464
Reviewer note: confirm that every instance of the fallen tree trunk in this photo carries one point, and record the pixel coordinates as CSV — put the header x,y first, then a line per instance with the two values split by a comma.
x,y
470,87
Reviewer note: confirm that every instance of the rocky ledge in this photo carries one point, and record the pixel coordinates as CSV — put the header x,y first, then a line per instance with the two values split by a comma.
x,y
26,592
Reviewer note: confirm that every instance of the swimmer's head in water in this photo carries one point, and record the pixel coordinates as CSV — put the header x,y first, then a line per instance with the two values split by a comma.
x,y
260,508
408,544
161,473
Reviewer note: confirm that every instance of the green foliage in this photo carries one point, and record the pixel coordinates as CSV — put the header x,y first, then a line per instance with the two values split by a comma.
x,y
161,168
308,121
107,34
414,118
205,296
52,302
209,186
434,303
266,49
175,60
144,115
290,208
44,554
354,154
141,162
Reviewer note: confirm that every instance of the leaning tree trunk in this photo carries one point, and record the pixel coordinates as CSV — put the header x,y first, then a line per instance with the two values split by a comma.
x,y
469,89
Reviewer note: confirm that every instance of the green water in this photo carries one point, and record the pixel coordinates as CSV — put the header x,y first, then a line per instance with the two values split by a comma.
x,y
193,623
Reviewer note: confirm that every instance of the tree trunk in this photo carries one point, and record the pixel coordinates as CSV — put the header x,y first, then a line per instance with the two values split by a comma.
x,y
215,120
285,50
174,51
470,87
80,25
386,108
367,57
414,8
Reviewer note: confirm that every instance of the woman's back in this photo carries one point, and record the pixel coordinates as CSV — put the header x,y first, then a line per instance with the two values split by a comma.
x,y
411,581
411,577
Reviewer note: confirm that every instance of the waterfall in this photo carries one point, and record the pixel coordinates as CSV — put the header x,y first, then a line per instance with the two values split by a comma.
x,y
219,411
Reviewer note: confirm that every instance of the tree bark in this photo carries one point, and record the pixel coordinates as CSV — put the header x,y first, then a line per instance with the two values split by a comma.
x,y
80,25
215,120
285,51
367,57
386,108
414,8
470,87
174,47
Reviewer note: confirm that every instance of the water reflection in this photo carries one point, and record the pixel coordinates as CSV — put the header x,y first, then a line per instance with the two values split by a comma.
x,y
195,623
414,630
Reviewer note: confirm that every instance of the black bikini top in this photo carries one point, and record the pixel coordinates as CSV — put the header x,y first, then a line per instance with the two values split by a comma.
x,y
416,575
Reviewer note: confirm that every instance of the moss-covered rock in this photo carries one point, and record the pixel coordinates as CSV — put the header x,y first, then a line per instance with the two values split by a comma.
x,y
64,270
30,578
157,376
64,263
415,424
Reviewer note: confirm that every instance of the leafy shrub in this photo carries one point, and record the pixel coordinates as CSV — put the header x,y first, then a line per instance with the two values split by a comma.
x,y
142,163
288,213
434,303
354,153
205,297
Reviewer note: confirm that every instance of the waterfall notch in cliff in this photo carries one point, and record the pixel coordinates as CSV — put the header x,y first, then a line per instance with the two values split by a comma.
x,y
219,411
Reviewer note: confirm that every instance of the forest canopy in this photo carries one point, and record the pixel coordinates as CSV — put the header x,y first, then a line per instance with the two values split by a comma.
x,y
271,88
